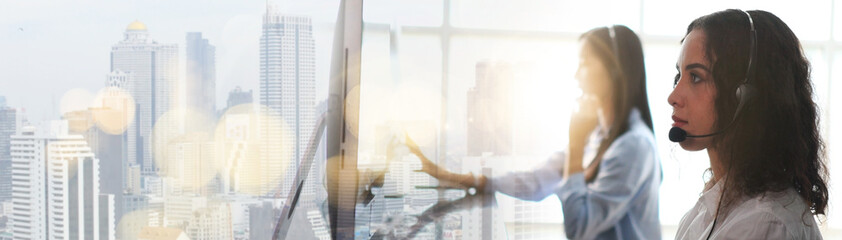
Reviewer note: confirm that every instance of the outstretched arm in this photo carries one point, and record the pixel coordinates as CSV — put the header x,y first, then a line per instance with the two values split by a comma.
x,y
444,175
531,185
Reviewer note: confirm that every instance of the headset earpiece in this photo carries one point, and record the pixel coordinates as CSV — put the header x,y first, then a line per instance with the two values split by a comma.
x,y
745,90
744,93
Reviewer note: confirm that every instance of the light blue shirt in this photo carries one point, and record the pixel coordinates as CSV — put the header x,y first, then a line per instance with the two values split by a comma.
x,y
621,203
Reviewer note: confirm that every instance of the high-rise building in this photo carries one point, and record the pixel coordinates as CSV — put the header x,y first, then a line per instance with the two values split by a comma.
x,y
29,217
192,168
239,152
136,216
151,71
118,79
56,187
287,90
8,126
235,151
200,84
178,209
5,224
133,180
158,233
239,204
5,214
490,110
107,146
210,223
262,219
485,223
238,96
107,219
319,225
155,211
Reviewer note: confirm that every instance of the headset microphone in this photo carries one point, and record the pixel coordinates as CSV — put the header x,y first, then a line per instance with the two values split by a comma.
x,y
679,135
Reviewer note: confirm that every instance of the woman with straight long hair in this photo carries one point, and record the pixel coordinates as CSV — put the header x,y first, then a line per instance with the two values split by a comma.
x,y
608,177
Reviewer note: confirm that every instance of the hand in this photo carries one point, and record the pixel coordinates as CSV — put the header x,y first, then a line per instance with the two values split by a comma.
x,y
443,175
427,166
582,123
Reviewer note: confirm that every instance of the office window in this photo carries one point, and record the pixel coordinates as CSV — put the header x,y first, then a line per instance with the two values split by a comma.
x,y
483,86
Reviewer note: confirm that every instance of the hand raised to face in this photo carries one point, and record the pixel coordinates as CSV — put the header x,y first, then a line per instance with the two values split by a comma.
x,y
583,121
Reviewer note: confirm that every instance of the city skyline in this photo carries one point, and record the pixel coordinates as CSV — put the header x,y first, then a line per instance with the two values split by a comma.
x,y
233,27
153,74
157,210
160,208
419,65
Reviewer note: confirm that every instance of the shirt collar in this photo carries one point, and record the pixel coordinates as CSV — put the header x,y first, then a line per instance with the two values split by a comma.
x,y
710,197
599,133
634,118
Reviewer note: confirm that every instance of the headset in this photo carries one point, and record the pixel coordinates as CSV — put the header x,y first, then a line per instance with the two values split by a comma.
x,y
743,93
615,49
613,35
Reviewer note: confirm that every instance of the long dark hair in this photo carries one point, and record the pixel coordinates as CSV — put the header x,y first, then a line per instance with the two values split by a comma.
x,y
774,143
628,81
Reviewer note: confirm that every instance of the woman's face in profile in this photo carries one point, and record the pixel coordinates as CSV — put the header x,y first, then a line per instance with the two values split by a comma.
x,y
592,75
693,97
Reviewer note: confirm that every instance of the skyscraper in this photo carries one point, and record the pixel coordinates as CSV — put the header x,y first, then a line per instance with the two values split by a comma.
x,y
262,219
239,152
211,223
136,217
238,96
57,188
287,90
239,148
8,126
29,218
179,208
152,70
487,222
192,168
200,85
107,146
490,110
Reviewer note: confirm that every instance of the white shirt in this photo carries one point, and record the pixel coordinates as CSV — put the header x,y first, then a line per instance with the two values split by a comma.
x,y
783,215
621,203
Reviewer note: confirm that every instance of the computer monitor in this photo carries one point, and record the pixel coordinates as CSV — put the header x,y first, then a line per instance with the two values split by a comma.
x,y
341,144
341,167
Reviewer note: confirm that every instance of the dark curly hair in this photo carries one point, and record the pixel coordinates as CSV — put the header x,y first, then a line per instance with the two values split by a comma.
x,y
774,143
